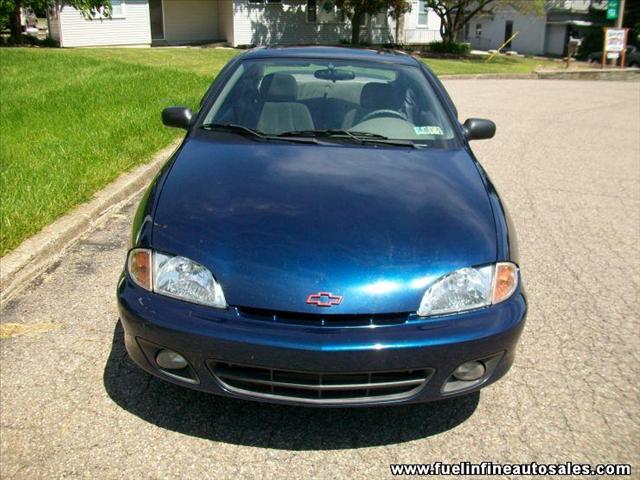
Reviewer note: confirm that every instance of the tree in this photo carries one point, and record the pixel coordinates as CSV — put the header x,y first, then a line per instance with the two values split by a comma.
x,y
10,9
397,11
632,20
455,14
355,10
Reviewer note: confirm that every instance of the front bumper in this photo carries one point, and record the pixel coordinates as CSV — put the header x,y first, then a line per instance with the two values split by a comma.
x,y
206,337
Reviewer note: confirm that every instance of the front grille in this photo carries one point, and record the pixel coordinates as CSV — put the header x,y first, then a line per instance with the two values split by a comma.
x,y
319,388
323,319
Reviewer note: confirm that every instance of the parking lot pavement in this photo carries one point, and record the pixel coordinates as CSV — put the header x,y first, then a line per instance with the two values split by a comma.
x,y
566,160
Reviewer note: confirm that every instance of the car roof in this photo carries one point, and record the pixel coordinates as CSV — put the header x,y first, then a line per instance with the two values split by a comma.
x,y
336,52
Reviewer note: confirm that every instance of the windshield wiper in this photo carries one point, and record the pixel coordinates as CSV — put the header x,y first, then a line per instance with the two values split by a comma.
x,y
234,127
396,142
309,134
360,137
362,134
377,138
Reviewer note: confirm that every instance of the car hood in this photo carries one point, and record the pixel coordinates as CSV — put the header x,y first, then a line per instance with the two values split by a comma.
x,y
276,222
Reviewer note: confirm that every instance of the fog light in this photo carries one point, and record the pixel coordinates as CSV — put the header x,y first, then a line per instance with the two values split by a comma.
x,y
469,371
170,360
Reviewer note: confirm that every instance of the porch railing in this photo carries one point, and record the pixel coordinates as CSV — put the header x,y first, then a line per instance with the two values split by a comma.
x,y
421,36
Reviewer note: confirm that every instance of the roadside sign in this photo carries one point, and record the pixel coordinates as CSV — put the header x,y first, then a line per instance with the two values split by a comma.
x,y
615,43
614,39
612,9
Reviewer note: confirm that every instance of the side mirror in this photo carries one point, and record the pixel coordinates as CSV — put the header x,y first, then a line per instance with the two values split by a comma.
x,y
177,117
478,128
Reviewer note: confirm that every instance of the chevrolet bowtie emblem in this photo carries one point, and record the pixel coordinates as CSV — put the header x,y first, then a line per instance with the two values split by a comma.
x,y
324,299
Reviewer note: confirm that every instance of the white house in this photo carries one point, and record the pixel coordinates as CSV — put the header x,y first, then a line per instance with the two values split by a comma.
x,y
236,22
546,34
421,25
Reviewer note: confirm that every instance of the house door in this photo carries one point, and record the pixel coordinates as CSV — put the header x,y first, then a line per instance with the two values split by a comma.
x,y
156,17
508,31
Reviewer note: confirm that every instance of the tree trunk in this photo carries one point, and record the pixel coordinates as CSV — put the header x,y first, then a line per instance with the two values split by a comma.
x,y
448,35
454,34
455,26
399,29
14,20
395,37
355,27
447,24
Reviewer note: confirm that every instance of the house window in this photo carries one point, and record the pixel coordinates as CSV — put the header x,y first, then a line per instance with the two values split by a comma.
x,y
118,10
422,13
478,30
379,20
332,16
319,14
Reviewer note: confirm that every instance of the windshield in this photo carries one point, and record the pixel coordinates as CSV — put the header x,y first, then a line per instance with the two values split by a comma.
x,y
340,98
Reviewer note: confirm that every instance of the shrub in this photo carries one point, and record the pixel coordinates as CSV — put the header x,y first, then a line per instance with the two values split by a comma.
x,y
449,47
48,42
395,46
26,41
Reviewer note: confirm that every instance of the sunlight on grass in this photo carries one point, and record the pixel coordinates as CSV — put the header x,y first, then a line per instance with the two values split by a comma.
x,y
71,124
202,61
476,65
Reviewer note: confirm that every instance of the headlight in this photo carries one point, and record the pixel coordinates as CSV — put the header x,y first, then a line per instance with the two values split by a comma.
x,y
176,277
470,288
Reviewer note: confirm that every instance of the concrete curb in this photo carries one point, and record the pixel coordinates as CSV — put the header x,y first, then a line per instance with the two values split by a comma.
x,y
611,74
35,254
490,76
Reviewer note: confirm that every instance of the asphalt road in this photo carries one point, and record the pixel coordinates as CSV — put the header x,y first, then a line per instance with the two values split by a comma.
x,y
566,160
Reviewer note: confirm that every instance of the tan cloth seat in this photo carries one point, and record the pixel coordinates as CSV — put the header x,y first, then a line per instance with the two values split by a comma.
x,y
280,111
374,96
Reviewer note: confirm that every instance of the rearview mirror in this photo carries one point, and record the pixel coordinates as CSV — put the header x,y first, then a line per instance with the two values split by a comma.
x,y
334,74
177,117
478,128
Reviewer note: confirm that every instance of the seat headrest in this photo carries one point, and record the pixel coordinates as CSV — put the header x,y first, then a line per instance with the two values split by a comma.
x,y
377,96
279,87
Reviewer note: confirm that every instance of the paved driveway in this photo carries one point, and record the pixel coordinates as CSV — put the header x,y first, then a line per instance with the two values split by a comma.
x,y
566,160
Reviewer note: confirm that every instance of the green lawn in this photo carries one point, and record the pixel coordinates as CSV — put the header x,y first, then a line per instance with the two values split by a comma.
x,y
498,64
201,61
71,121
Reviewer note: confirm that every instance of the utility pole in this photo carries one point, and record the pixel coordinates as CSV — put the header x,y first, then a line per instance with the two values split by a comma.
x,y
620,14
619,25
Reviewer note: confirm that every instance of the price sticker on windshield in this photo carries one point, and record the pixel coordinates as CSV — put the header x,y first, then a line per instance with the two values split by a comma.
x,y
428,130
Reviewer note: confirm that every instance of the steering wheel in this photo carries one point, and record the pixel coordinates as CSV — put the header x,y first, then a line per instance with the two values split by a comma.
x,y
382,113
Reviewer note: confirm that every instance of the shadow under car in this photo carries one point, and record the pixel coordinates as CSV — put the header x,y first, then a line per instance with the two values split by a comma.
x,y
265,425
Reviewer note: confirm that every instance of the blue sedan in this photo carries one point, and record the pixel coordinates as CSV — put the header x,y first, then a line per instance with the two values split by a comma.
x,y
324,236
